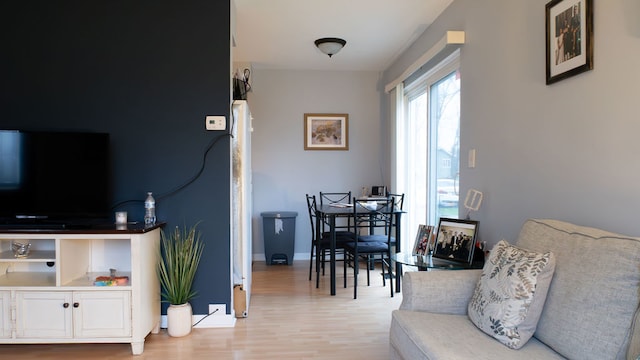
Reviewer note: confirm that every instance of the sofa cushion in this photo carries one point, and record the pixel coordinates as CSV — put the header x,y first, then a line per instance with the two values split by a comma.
x,y
593,297
423,335
511,292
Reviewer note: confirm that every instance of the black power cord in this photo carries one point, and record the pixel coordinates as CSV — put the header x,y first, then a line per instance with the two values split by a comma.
x,y
187,183
198,174
206,316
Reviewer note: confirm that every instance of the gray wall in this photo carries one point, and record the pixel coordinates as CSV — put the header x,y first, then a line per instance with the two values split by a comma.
x,y
566,151
283,172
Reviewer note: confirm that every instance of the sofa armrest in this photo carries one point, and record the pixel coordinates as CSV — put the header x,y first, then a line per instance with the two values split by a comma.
x,y
445,292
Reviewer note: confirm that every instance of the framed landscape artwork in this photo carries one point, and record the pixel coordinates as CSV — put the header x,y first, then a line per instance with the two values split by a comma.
x,y
326,131
569,38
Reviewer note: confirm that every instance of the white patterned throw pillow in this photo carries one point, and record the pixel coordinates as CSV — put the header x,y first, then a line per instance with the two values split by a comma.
x,y
510,295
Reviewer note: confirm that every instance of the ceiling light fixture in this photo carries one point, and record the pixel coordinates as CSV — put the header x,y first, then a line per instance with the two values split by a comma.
x,y
330,46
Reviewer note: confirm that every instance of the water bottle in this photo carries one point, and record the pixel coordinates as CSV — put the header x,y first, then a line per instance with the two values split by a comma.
x,y
149,210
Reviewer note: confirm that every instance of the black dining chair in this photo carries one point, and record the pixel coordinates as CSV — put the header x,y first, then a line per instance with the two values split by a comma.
x,y
398,203
398,200
320,247
343,229
373,222
329,198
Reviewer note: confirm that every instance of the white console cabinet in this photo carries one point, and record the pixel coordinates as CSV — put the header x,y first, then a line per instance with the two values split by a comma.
x,y
50,296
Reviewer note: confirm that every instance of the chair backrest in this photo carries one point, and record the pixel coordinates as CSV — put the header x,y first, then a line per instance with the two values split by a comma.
x,y
371,215
311,206
327,198
398,200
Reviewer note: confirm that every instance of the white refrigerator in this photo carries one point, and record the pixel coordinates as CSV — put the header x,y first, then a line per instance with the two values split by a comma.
x,y
241,206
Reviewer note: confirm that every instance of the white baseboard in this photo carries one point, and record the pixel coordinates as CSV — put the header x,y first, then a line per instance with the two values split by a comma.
x,y
212,321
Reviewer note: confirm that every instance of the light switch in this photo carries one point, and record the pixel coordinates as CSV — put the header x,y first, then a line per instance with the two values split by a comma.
x,y
472,158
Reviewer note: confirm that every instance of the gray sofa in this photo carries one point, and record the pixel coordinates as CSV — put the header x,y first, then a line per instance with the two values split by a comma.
x,y
592,308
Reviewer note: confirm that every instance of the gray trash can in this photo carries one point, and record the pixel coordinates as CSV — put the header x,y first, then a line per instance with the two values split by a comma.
x,y
279,236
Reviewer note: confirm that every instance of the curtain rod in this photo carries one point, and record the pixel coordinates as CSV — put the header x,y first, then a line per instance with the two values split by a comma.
x,y
449,38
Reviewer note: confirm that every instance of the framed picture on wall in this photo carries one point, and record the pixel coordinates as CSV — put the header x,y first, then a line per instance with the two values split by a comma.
x,y
569,38
326,131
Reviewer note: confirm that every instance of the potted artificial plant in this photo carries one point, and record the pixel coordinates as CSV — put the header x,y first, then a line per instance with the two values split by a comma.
x,y
180,254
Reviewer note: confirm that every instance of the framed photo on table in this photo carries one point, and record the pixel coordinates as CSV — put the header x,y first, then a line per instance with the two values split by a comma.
x,y
569,38
456,239
423,244
326,131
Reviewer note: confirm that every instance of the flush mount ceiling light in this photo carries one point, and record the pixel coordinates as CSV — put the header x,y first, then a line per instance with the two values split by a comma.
x,y
330,46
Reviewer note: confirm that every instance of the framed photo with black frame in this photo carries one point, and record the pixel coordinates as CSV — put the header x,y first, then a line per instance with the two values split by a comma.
x,y
456,240
569,38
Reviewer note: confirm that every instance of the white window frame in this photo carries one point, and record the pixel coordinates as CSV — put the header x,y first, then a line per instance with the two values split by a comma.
x,y
408,91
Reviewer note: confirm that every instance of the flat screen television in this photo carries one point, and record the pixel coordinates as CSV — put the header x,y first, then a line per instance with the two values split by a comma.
x,y
54,179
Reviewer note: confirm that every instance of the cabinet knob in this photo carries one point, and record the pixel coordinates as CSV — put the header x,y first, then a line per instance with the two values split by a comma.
x,y
75,305
65,305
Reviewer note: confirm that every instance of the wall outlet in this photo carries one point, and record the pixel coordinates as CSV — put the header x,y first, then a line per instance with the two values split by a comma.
x,y
217,309
215,122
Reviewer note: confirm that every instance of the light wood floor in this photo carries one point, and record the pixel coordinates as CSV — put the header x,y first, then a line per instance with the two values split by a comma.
x,y
288,319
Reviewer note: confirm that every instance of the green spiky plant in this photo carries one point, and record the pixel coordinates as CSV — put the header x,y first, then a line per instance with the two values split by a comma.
x,y
179,258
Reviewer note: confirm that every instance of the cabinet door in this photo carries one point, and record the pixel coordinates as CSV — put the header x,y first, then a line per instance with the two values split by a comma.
x,y
42,314
102,314
5,314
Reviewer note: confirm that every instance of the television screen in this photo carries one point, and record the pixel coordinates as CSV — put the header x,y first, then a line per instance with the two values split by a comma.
x,y
60,177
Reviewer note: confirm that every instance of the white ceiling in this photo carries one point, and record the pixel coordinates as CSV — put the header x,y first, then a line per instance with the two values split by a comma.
x,y
279,34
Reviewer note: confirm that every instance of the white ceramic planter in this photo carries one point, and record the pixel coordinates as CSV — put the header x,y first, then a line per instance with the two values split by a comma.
x,y
179,319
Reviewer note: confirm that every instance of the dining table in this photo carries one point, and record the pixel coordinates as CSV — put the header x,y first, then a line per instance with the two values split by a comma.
x,y
329,213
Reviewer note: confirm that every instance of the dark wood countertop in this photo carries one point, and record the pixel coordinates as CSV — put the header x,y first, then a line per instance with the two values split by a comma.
x,y
130,228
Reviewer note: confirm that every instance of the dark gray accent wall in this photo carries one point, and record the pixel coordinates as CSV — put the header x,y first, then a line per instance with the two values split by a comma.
x,y
147,72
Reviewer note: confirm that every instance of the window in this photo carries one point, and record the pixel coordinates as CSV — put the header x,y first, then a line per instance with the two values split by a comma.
x,y
430,140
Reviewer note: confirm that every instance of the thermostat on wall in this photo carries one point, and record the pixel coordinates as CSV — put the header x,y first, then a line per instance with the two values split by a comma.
x,y
216,122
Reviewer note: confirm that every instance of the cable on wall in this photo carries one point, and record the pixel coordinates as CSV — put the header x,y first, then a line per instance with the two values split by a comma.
x,y
185,184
